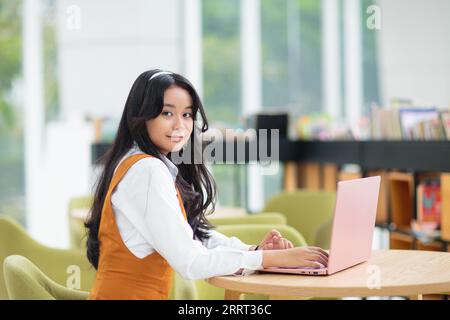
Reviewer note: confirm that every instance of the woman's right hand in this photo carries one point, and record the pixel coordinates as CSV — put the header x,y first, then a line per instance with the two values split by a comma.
x,y
299,257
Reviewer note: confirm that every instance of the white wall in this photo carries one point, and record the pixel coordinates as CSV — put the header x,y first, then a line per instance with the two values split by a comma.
x,y
415,51
116,41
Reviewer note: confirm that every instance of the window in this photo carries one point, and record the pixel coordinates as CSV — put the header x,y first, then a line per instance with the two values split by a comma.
x,y
370,61
51,88
222,87
291,55
291,63
221,52
12,182
12,156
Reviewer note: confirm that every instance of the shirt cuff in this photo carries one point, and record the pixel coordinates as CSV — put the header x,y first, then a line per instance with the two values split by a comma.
x,y
253,260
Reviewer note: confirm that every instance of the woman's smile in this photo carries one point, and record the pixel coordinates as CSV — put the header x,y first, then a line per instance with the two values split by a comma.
x,y
176,138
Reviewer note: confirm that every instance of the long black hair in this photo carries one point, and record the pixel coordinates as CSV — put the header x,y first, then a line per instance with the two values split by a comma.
x,y
195,183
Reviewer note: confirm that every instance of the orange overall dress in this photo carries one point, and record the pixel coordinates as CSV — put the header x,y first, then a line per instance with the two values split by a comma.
x,y
121,275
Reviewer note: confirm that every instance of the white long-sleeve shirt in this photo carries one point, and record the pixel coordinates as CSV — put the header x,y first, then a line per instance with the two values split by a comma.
x,y
149,219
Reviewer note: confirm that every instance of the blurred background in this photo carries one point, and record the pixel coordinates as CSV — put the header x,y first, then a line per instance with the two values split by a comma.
x,y
336,67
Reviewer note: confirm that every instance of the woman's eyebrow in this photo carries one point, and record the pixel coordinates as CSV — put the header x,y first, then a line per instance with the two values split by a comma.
x,y
172,106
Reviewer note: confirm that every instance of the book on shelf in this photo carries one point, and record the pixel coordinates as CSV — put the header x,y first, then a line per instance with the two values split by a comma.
x,y
426,227
421,124
385,124
323,127
445,119
429,204
410,123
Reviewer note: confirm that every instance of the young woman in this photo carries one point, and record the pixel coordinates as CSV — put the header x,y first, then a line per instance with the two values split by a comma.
x,y
148,216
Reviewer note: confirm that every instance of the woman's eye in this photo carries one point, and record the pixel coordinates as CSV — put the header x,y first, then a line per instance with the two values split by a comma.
x,y
166,113
188,115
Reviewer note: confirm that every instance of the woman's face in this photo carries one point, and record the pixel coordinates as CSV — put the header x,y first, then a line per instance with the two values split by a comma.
x,y
171,129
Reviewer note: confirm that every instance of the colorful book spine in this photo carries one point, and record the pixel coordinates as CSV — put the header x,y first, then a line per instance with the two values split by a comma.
x,y
430,204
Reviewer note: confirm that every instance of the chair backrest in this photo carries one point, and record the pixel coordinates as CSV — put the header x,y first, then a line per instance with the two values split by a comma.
x,y
306,211
82,202
323,235
24,281
182,289
60,265
254,233
257,218
77,230
250,234
77,234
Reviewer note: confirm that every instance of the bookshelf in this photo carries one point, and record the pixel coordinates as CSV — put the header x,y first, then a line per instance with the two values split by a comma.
x,y
414,156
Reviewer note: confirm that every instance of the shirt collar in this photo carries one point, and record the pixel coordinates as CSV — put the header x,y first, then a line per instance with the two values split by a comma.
x,y
169,164
172,168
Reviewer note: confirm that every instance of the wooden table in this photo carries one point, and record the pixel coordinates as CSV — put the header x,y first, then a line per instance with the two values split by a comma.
x,y
387,273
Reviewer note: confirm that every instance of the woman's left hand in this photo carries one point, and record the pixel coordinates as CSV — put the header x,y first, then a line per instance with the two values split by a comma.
x,y
274,241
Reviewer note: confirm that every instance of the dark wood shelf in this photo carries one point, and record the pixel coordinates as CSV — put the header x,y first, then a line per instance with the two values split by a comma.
x,y
416,241
416,156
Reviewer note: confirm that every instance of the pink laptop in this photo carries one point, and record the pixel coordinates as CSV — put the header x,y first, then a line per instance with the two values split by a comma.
x,y
353,225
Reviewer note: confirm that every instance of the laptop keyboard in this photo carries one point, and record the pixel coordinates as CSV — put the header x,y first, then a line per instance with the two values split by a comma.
x,y
307,268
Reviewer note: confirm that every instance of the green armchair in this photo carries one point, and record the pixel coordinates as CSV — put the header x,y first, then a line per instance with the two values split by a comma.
x,y
254,233
257,218
182,289
77,231
25,281
306,211
60,265
323,235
